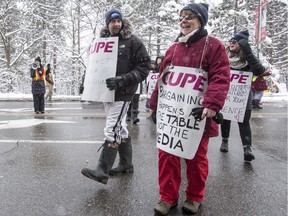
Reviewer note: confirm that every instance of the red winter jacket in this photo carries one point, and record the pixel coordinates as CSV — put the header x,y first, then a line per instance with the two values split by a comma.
x,y
215,62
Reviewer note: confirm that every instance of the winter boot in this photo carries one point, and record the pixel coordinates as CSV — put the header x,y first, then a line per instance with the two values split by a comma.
x,y
135,117
224,145
128,116
256,104
248,155
125,163
191,207
163,208
104,165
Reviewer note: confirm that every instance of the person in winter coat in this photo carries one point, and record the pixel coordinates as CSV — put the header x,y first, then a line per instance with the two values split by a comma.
x,y
132,68
158,62
194,49
259,85
242,58
38,73
49,83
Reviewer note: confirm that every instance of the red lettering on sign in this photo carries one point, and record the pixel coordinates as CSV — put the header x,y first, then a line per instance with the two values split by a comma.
x,y
106,47
241,78
181,79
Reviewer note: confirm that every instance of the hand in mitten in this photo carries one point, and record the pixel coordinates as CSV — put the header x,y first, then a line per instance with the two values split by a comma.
x,y
245,46
197,113
243,42
218,118
114,83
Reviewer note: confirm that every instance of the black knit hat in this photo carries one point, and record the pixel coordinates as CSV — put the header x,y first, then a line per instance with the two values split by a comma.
x,y
38,59
200,9
244,34
113,14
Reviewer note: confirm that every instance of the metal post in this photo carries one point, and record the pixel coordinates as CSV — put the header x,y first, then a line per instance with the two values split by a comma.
x,y
259,31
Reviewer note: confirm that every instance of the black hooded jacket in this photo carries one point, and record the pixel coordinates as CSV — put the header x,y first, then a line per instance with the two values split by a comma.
x,y
133,61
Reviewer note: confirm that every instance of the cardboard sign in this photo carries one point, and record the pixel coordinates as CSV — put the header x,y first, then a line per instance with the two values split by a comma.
x,y
237,98
180,89
102,63
152,80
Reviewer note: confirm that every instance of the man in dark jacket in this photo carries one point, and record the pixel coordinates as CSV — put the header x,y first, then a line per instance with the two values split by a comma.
x,y
38,73
132,68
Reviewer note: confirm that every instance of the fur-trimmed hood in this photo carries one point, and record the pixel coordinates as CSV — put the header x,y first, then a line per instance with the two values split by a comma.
x,y
125,33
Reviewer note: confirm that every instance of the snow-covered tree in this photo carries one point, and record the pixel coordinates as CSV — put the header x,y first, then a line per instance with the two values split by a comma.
x,y
60,32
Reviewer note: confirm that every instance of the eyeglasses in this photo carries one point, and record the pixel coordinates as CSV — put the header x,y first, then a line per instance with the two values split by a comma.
x,y
188,17
233,42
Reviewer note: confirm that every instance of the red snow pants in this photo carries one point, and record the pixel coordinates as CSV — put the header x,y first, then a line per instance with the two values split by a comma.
x,y
196,172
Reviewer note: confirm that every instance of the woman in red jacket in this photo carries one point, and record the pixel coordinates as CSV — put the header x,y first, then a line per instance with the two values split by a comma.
x,y
195,49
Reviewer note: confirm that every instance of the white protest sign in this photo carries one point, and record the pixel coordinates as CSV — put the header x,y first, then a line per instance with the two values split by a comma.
x,y
180,90
237,98
102,63
152,80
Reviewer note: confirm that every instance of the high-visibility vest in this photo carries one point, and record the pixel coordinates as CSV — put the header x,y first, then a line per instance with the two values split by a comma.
x,y
38,76
255,77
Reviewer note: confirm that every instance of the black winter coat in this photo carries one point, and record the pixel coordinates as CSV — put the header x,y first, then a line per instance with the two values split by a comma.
x,y
254,65
133,61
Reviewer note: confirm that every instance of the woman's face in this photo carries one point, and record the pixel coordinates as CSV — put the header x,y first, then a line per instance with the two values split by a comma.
x,y
159,60
234,46
188,22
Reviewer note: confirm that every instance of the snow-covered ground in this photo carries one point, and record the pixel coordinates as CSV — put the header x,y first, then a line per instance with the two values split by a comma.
x,y
15,97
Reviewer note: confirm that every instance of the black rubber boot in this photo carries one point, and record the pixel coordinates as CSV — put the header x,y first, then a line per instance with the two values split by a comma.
x,y
128,115
256,104
248,155
125,163
135,116
104,165
224,145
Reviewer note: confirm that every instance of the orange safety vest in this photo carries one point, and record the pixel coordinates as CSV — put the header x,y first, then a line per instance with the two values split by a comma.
x,y
38,76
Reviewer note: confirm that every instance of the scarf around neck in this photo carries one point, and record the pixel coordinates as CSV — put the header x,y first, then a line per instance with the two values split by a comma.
x,y
185,38
235,62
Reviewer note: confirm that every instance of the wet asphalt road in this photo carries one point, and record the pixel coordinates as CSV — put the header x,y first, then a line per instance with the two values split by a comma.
x,y
41,158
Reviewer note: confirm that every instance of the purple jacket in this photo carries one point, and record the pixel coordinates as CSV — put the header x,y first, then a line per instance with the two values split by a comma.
x,y
215,62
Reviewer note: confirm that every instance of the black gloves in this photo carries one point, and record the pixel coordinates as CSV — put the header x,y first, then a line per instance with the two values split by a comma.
x,y
245,46
255,65
243,42
114,83
197,113
218,118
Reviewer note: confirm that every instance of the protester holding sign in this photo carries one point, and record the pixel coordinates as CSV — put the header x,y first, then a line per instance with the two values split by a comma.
x,y
242,58
132,67
151,80
194,73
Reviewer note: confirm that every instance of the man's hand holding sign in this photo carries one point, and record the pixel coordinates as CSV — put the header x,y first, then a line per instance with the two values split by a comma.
x,y
114,83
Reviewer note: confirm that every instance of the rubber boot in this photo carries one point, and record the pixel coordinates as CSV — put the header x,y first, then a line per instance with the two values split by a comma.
x,y
224,145
135,116
128,118
248,155
104,165
256,104
125,154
